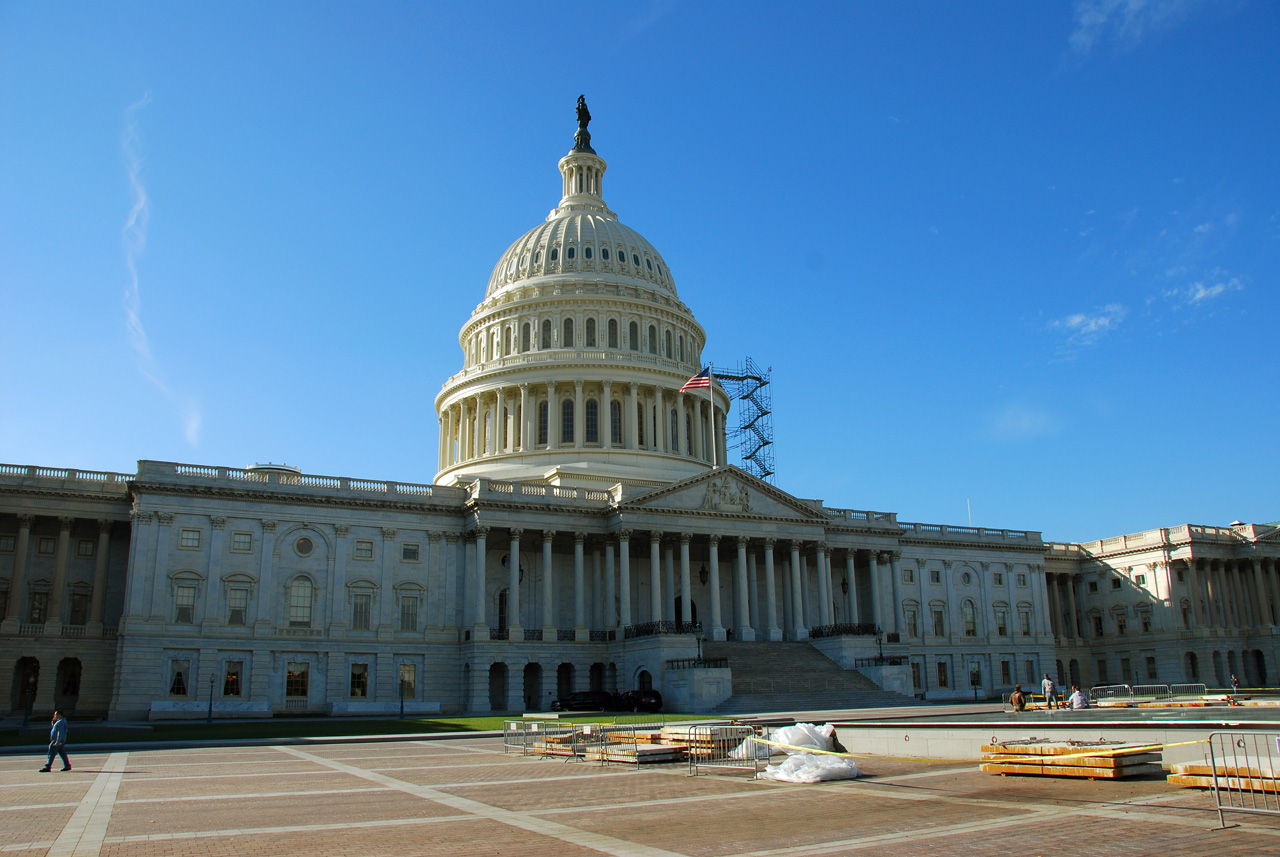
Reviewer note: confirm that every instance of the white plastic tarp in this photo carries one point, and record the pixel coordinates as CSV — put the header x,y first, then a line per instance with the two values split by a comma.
x,y
804,735
811,768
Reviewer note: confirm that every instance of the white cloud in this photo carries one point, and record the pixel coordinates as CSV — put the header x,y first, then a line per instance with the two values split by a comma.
x,y
1019,422
1201,292
134,238
1124,22
1084,328
1203,228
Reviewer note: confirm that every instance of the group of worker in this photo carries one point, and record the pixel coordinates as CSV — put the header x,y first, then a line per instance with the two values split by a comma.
x,y
1076,700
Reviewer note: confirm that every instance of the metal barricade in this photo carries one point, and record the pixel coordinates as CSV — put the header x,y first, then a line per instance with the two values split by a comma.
x,y
724,748
1193,690
1152,692
1110,691
1246,772
515,737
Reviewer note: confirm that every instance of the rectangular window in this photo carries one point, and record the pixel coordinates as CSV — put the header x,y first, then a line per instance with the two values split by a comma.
x,y
295,682
359,680
1002,623
908,575
189,539
935,576
1006,672
38,612
231,680
184,599
1115,583
410,553
942,674
1145,618
4,604
1151,668
1102,672
1121,624
1182,576
242,542
408,681
361,607
1022,578
997,577
237,606
1093,586
79,608
364,549
1140,580
300,604
938,627
912,628
1024,618
915,675
45,545
1030,667
179,677
7,544
1097,626
1126,671
408,613
84,547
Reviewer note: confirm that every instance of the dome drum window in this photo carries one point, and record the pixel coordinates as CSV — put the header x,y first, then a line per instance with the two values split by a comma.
x,y
555,253
586,252
604,253
570,253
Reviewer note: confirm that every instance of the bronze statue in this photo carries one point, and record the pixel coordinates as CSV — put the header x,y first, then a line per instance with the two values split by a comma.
x,y
584,115
582,138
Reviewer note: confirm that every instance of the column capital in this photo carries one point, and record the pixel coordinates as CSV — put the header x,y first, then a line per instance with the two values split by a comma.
x,y
655,536
524,386
548,535
551,388
482,532
25,520
451,538
166,518
820,547
65,523
895,556
714,539
268,525
341,530
516,533
743,541
685,538
606,384
579,538
769,542
634,387
625,534
434,536
105,526
882,556
388,534
577,385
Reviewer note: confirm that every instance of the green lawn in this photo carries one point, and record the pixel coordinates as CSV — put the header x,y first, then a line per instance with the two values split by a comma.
x,y
221,730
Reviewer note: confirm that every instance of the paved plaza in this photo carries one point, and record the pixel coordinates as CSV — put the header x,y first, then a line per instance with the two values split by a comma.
x,y
463,796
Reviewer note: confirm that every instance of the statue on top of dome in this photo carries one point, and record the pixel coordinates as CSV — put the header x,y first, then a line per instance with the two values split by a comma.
x,y
582,138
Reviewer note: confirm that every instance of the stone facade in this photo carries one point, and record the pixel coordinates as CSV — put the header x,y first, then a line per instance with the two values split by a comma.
x,y
583,531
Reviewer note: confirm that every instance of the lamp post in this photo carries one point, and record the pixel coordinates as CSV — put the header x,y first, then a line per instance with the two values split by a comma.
x,y
209,718
697,635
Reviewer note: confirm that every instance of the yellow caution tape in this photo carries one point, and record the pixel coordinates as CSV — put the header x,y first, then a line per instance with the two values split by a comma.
x,y
1089,754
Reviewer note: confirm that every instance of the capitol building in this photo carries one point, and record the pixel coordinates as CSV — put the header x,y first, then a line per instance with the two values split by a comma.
x,y
584,531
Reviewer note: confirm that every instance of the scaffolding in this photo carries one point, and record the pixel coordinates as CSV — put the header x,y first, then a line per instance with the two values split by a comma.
x,y
753,438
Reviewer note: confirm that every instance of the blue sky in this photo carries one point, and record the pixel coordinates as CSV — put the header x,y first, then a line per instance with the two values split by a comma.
x,y
1020,256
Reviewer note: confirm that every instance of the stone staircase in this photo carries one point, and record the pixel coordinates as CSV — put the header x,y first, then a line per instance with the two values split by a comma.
x,y
794,677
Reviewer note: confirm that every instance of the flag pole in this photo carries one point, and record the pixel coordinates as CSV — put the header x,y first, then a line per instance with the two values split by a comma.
x,y
711,397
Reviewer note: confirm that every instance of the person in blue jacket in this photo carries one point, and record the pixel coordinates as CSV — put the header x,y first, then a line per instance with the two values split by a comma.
x,y
57,742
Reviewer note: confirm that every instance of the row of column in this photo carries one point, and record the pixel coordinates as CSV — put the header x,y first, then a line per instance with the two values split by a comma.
x,y
613,585
18,602
505,421
1234,594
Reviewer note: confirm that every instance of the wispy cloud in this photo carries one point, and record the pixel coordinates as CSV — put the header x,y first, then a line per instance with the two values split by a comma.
x,y
1202,292
1124,23
1018,421
134,238
1086,328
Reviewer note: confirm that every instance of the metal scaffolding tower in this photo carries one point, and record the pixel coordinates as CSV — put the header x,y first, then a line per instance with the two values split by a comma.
x,y
753,438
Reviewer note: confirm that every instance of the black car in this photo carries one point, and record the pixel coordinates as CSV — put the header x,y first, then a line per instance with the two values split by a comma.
x,y
584,700
641,700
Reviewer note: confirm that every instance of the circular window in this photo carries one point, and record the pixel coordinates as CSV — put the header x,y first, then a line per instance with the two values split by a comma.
x,y
967,578
303,546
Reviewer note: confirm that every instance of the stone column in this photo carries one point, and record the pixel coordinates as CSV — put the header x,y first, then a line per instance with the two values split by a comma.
x,y
579,416
742,612
1038,577
17,585
1206,585
1257,600
1055,618
1273,578
624,577
1075,613
798,628
59,594
713,567
209,618
629,418
895,570
610,591
597,589
579,589
668,583
851,580
753,591
514,626
721,436
525,446
386,588
606,414
686,600
824,584
548,593
772,632
699,448
876,609
655,576
682,430
553,417
479,584
477,428
98,600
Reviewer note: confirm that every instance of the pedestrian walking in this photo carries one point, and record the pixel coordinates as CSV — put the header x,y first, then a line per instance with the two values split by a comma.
x,y
1235,684
1050,692
57,742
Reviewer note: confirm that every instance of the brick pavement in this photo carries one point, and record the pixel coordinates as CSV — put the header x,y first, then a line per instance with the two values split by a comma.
x,y
465,797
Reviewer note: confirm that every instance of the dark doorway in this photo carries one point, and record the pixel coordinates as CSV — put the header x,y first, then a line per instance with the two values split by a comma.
x,y
67,690
693,609
564,680
26,683
533,687
498,687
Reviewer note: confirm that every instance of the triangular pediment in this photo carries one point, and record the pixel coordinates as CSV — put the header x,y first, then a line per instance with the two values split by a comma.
x,y
726,491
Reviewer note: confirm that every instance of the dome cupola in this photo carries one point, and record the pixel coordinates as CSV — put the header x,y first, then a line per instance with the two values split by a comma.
x,y
573,362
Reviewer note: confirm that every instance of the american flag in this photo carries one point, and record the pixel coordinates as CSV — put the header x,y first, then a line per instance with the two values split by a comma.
x,y
701,381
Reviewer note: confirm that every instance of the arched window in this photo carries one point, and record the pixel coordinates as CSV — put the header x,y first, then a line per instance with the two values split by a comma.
x,y
604,253
688,435
524,338
570,253
555,253
615,422
566,340
640,424
970,621
566,421
670,350
506,343
546,333
593,421
300,596
591,333
613,333
653,339
674,446
634,330
586,252
542,423
486,439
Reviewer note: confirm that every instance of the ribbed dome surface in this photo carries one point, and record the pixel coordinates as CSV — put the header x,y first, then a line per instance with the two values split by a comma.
x,y
581,244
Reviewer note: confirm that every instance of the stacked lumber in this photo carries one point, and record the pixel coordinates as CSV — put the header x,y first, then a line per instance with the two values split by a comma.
x,y
1095,760
634,754
1260,777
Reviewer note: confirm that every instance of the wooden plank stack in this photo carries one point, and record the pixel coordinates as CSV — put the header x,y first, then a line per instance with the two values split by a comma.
x,y
1105,760
1262,777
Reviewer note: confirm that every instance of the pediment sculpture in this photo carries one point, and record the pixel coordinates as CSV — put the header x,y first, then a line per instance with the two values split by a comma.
x,y
726,495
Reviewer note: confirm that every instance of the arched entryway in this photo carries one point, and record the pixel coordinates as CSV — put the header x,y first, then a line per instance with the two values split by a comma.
x,y
644,681
1193,667
693,609
533,687
1219,677
498,687
67,689
597,676
564,680
1074,667
26,684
